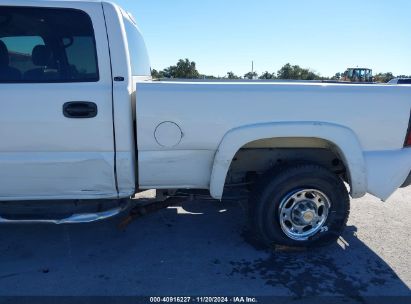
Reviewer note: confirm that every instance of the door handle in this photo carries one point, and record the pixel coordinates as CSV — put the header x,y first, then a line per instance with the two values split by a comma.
x,y
80,109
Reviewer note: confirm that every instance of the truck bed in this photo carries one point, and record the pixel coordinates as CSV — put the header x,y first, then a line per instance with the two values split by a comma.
x,y
378,115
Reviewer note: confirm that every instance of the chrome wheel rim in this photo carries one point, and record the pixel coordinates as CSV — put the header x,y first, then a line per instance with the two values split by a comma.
x,y
303,213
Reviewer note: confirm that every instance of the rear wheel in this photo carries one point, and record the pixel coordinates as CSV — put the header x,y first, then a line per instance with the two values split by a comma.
x,y
302,205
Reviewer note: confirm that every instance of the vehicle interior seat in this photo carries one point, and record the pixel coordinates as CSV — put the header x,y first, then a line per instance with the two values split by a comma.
x,y
42,57
7,73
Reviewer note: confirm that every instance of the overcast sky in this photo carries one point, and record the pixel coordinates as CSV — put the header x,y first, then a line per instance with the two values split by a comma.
x,y
326,36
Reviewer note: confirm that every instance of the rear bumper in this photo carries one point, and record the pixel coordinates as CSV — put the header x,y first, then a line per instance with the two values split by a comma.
x,y
407,181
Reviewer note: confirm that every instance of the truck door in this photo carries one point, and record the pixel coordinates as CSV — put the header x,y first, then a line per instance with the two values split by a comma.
x,y
56,115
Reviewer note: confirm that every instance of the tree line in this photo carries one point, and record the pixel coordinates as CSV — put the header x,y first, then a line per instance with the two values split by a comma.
x,y
186,69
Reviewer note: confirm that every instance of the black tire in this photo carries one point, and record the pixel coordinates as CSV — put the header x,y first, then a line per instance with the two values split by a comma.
x,y
274,187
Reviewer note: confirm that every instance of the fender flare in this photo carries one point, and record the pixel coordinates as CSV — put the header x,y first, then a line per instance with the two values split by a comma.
x,y
342,137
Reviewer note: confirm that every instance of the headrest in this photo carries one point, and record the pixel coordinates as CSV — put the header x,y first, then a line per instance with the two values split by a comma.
x,y
4,54
41,55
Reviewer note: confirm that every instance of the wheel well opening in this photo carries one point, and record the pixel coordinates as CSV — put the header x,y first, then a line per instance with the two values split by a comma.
x,y
257,157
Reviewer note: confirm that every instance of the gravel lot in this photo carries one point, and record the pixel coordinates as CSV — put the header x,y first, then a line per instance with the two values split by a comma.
x,y
201,248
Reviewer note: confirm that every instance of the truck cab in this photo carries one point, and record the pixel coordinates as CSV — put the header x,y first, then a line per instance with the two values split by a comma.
x,y
58,82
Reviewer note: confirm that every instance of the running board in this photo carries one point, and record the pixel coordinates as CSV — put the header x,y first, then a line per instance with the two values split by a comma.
x,y
73,219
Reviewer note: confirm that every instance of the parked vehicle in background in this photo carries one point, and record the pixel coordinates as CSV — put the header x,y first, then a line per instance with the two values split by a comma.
x,y
400,81
82,119
358,75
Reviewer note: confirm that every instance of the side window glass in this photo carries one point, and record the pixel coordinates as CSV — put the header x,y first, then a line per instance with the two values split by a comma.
x,y
40,45
20,49
82,61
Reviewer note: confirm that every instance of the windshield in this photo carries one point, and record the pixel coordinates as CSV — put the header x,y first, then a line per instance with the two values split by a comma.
x,y
140,62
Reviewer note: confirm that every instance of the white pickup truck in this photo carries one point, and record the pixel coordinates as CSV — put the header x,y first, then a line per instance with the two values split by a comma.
x,y
81,119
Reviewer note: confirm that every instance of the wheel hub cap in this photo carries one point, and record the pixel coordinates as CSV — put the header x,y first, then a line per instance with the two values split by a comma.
x,y
308,216
303,213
